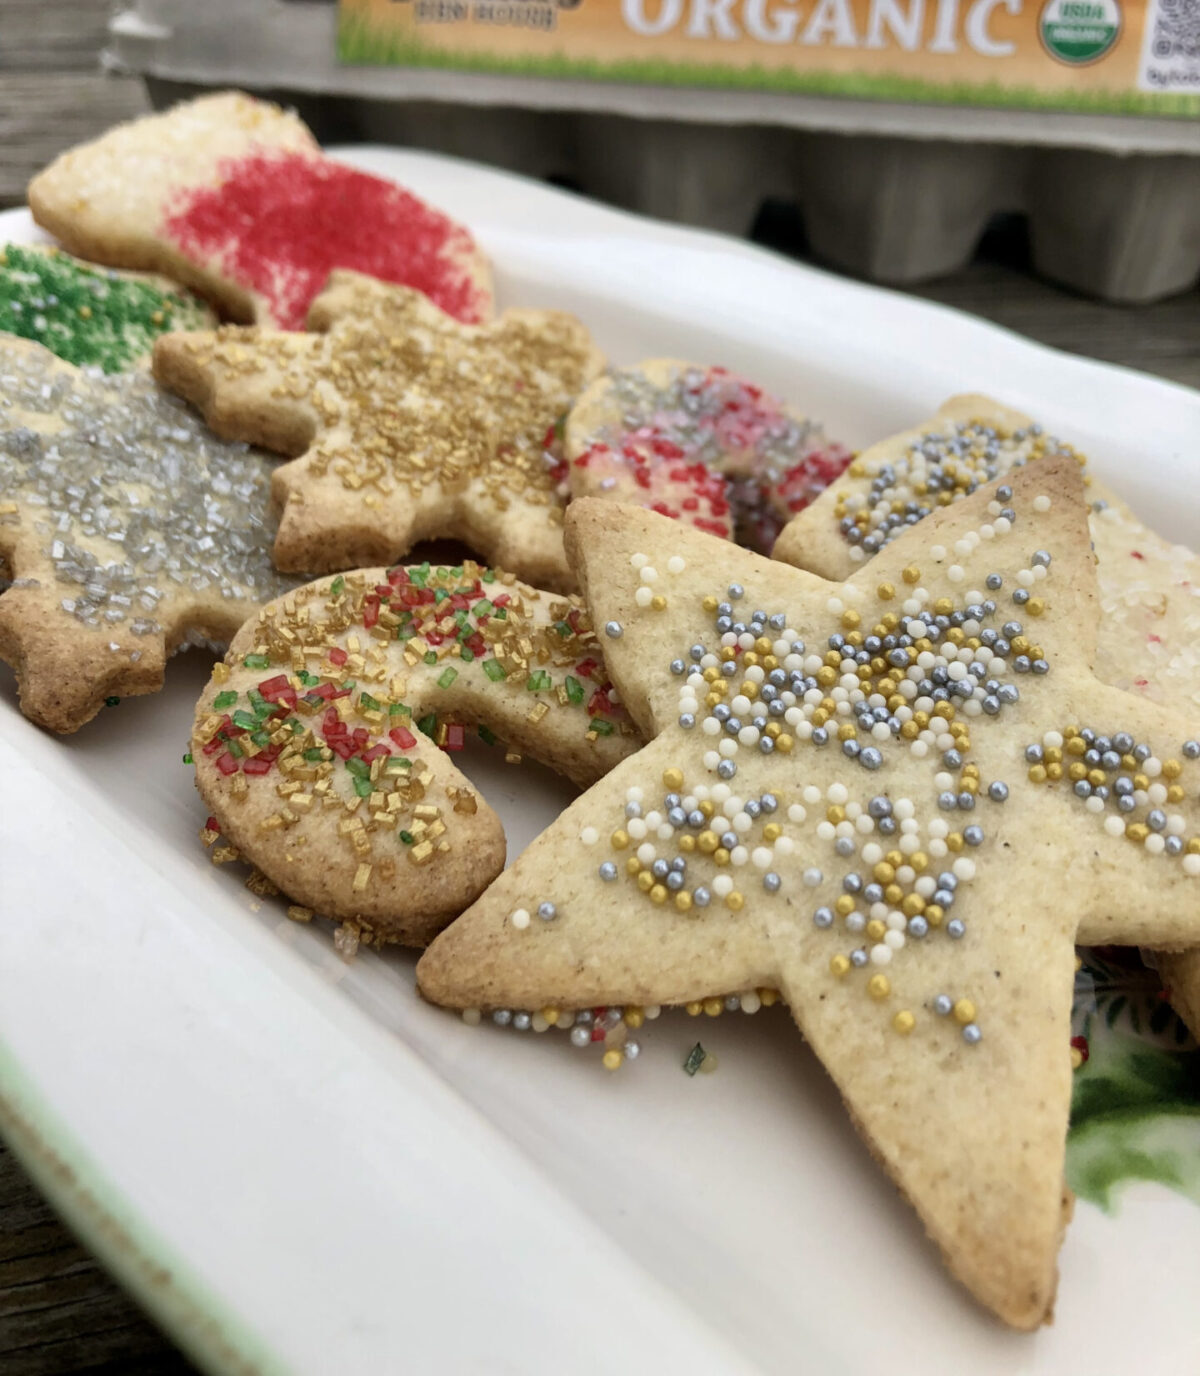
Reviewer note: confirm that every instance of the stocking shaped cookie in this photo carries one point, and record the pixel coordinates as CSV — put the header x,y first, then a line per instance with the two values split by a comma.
x,y
853,793
317,742
701,445
232,196
409,424
126,528
90,316
1148,640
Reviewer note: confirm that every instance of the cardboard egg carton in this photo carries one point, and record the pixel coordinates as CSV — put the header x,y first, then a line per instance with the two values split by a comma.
x,y
896,192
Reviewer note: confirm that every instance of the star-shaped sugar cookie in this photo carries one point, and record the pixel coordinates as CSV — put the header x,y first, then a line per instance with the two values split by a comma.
x,y
316,744
410,425
701,445
1149,634
126,530
233,196
899,800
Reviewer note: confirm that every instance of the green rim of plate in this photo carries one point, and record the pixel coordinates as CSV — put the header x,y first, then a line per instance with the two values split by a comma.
x,y
131,1249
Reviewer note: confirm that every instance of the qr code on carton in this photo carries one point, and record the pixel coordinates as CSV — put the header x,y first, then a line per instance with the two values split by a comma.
x,y
1171,47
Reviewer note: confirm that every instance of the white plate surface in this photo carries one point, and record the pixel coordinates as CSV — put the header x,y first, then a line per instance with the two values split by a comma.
x,y
300,1167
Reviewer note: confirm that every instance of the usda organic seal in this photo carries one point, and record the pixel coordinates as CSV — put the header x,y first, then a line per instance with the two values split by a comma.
x,y
1079,31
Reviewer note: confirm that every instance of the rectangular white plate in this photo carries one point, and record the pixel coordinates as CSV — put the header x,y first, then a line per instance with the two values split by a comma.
x,y
299,1166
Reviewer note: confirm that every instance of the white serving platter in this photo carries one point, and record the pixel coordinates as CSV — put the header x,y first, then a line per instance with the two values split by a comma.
x,y
298,1166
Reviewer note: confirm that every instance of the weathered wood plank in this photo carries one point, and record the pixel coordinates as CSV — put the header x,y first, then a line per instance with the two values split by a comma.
x,y
60,1312
61,34
42,113
1163,339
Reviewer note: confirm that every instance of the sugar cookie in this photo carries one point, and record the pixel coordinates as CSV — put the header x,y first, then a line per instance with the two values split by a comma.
x,y
409,425
127,530
854,794
233,197
316,743
701,445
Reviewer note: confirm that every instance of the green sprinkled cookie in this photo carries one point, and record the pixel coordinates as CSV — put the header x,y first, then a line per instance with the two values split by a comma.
x,y
90,316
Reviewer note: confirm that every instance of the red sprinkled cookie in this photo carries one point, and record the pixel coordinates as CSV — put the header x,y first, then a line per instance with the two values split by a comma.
x,y
701,445
232,196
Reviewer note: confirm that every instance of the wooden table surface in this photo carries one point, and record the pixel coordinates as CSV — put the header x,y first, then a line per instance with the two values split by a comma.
x,y
59,1312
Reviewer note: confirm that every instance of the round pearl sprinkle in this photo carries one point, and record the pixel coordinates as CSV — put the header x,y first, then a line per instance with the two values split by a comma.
x,y
613,629
889,877
519,918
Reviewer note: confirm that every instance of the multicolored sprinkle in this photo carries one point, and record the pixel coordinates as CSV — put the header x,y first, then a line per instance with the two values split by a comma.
x,y
939,467
701,445
346,678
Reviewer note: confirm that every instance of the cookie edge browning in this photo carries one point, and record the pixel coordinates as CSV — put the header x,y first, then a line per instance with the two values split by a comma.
x,y
45,651
93,671
1027,1316
289,431
305,543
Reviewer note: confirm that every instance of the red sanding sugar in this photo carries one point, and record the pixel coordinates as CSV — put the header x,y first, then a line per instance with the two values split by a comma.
x,y
278,223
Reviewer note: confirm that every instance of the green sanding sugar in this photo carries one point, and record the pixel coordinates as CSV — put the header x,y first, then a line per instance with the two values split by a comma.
x,y
90,316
